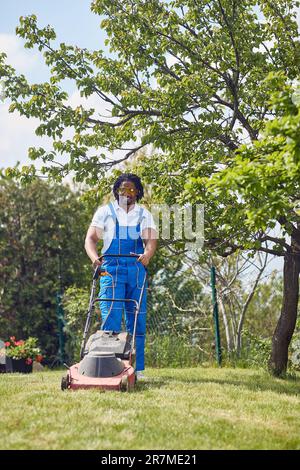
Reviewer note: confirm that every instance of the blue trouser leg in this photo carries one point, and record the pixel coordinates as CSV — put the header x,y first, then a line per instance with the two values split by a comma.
x,y
133,291
128,282
112,322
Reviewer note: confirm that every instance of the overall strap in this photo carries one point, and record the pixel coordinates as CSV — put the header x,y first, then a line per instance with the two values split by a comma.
x,y
114,217
141,216
113,212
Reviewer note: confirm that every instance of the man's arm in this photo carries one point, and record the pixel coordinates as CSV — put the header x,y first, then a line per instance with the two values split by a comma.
x,y
149,235
94,234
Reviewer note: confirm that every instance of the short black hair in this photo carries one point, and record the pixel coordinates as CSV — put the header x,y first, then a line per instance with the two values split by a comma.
x,y
129,177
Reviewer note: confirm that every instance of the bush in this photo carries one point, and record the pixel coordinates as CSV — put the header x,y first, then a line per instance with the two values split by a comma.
x,y
171,351
38,240
294,359
255,351
75,303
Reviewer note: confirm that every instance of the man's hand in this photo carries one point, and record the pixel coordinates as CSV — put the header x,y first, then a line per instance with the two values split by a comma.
x,y
144,259
149,235
97,262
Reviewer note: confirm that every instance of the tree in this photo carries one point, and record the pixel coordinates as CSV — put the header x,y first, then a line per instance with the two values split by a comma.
x,y
187,77
266,176
42,227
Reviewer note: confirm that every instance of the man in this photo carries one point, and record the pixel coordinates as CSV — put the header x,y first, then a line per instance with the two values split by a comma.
x,y
126,228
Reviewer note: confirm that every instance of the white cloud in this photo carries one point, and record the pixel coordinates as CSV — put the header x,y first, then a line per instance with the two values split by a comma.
x,y
16,136
17,133
21,59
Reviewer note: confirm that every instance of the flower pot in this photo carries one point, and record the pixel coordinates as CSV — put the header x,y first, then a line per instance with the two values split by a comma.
x,y
18,365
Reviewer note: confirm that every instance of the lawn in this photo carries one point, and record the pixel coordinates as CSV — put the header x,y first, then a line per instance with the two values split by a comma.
x,y
198,408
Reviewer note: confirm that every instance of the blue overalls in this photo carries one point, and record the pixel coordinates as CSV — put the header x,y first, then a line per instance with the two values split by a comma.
x,y
128,276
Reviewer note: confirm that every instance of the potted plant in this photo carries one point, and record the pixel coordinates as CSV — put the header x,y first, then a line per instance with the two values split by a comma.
x,y
21,354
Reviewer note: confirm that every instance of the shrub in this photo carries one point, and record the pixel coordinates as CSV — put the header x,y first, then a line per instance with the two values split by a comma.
x,y
75,303
294,359
171,351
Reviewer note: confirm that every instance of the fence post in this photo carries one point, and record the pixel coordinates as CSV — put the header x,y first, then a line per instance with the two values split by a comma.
x,y
216,315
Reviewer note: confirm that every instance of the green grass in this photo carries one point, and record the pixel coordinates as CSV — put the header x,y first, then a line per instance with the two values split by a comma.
x,y
198,408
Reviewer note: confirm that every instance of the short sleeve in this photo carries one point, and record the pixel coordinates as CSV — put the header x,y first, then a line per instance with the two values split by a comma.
x,y
147,221
99,217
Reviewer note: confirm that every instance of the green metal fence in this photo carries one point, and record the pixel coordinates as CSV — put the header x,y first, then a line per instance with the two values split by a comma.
x,y
179,324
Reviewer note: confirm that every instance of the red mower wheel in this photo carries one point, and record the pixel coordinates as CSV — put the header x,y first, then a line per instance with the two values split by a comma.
x,y
126,386
65,382
130,386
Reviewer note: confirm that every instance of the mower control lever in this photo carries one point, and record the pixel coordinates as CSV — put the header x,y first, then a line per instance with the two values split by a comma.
x,y
111,255
98,271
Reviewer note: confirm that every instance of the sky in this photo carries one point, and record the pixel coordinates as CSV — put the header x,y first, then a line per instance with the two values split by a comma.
x,y
72,19
73,23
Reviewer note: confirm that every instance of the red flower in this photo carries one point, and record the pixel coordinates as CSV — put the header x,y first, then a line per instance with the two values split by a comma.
x,y
23,349
39,358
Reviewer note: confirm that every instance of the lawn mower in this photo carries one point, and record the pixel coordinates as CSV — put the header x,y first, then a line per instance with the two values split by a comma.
x,y
107,359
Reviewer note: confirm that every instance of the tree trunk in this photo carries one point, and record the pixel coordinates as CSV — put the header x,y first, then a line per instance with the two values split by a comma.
x,y
226,327
287,320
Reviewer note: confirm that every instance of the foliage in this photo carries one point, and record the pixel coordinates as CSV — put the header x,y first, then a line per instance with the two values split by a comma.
x,y
75,303
255,351
264,309
173,351
23,349
41,238
265,175
294,359
186,77
262,181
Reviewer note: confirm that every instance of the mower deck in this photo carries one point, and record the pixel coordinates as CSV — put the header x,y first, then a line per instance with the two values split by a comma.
x,y
122,382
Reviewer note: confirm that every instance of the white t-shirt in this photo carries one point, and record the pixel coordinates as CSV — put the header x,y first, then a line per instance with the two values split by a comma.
x,y
103,220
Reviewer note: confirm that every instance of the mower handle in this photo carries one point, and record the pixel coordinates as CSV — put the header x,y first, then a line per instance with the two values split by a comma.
x,y
99,268
131,255
98,299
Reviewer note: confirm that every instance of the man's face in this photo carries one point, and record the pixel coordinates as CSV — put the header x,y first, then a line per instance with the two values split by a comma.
x,y
127,193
